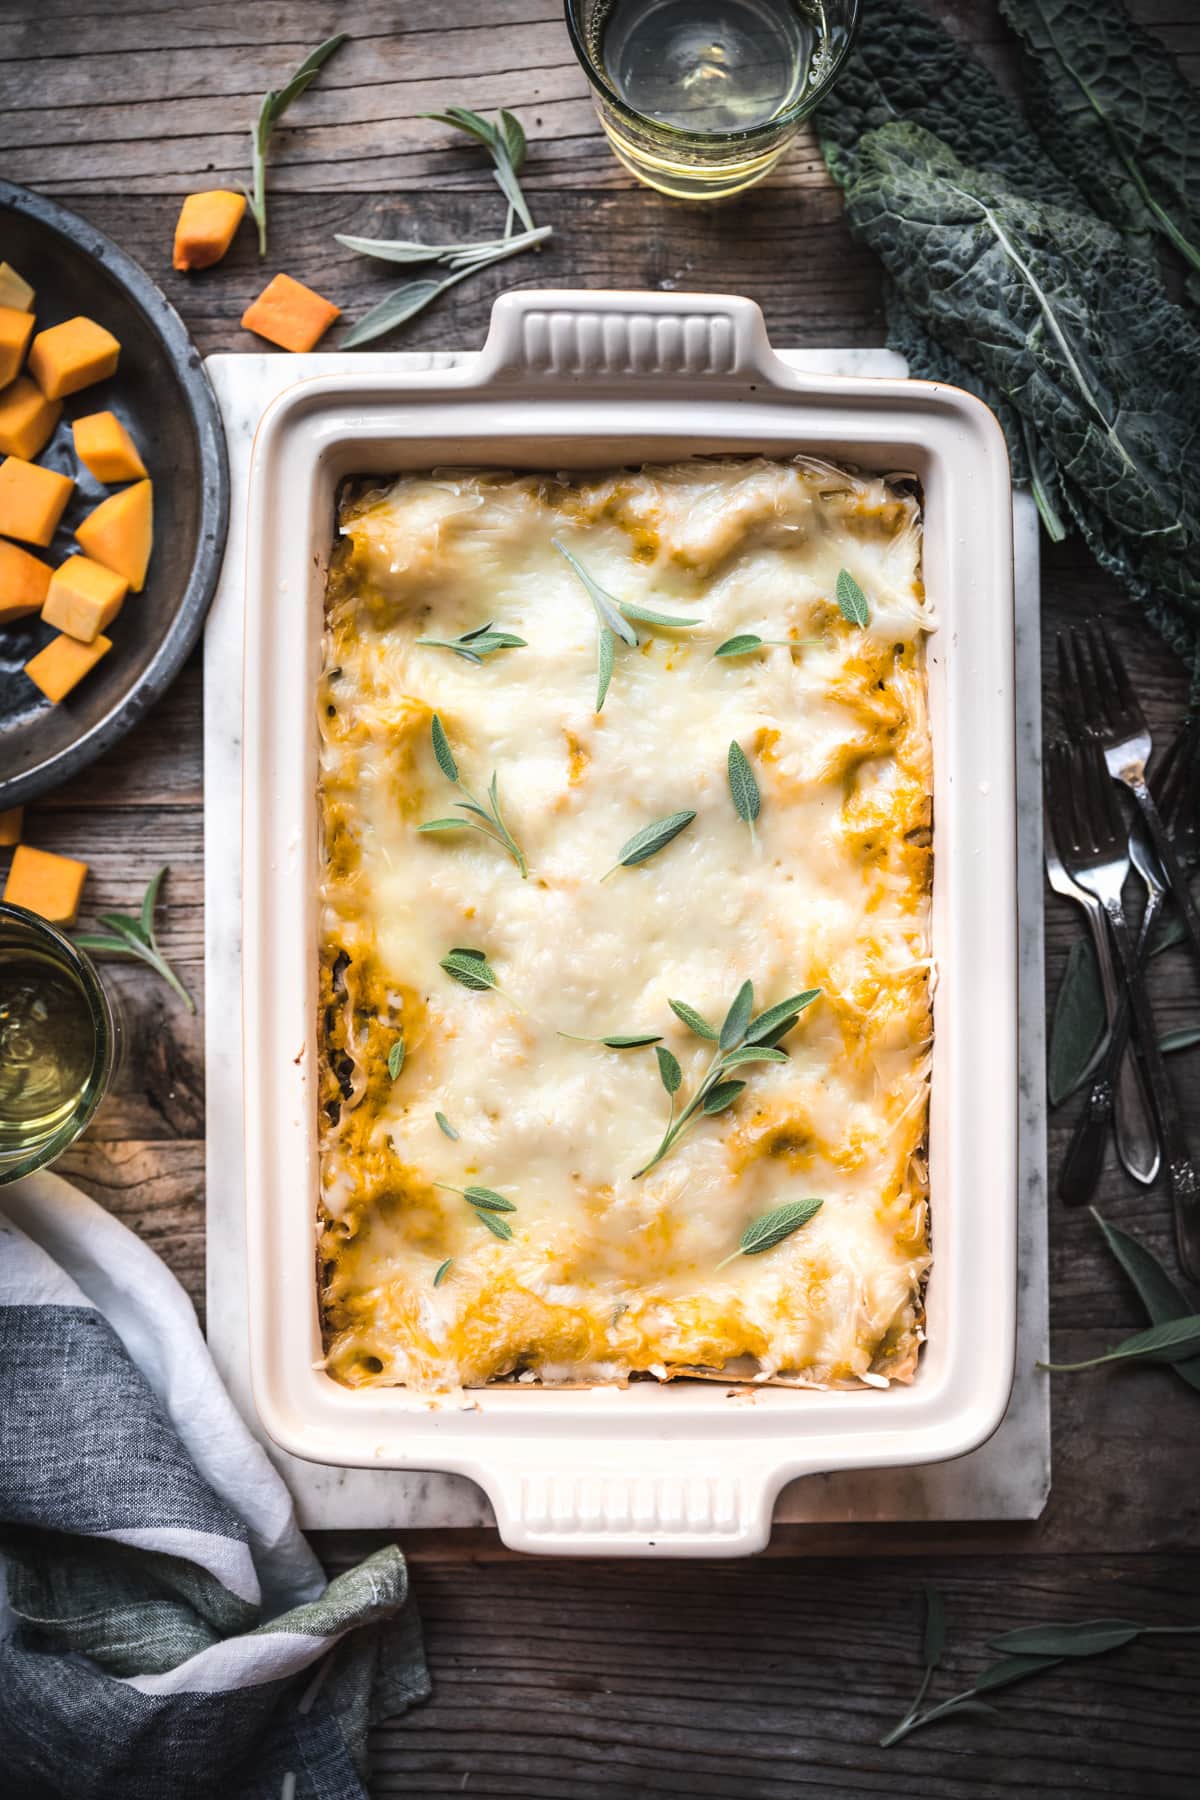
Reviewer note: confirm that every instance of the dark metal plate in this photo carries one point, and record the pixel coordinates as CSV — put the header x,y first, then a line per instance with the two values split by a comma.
x,y
161,392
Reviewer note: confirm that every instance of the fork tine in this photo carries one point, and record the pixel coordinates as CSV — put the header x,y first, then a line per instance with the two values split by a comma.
x,y
1061,798
1068,689
1104,806
1095,685
1117,671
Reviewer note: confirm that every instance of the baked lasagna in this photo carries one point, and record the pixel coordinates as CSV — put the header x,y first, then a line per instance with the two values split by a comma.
x,y
625,983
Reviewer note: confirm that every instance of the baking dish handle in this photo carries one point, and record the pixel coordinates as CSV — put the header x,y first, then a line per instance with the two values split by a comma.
x,y
647,338
656,1499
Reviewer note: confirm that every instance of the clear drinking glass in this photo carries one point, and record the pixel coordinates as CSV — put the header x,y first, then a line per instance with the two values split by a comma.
x,y
701,97
59,1042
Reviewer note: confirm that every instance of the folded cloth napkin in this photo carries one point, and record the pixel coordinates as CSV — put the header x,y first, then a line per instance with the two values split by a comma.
x,y
167,1633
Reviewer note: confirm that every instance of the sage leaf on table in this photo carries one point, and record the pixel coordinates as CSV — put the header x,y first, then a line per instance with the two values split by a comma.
x,y
852,602
1078,1026
395,1061
1092,1637
404,303
1117,114
1186,1038
468,255
506,145
649,841
774,1227
272,107
493,825
1155,1288
130,936
743,787
1172,1341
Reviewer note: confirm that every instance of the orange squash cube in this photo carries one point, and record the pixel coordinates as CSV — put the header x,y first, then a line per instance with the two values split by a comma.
x,y
24,582
49,885
31,500
120,532
16,329
103,446
71,356
27,419
289,314
84,598
10,825
206,228
14,289
63,664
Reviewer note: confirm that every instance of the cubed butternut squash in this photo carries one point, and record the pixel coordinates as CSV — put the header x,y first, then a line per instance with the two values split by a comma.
x,y
63,664
120,532
49,885
289,314
16,329
14,289
83,598
206,228
24,582
31,500
103,446
10,825
71,356
27,419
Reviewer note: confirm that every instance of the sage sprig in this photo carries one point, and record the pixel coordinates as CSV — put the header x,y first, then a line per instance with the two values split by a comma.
x,y
1175,1340
743,787
649,841
395,1061
493,825
763,1234
612,620
504,142
1031,1650
852,602
742,1039
486,1204
473,646
128,936
272,107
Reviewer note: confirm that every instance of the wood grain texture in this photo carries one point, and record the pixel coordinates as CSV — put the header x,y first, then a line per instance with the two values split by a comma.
x,y
608,1681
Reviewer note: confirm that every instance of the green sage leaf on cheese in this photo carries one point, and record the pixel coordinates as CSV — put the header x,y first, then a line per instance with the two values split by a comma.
x,y
737,1019
852,602
693,1020
779,1019
606,648
445,1126
774,1227
443,1269
651,839
721,1096
395,1061
471,968
488,1199
442,750
498,1227
669,1070
742,785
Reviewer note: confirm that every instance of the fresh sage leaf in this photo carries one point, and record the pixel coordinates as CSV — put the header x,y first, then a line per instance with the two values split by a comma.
x,y
606,606
1010,1669
774,1227
498,1227
741,645
650,840
742,786
443,1269
404,303
473,646
470,967
1092,1637
442,750
643,616
693,1020
1155,1288
737,1019
606,648
128,936
1183,1039
851,600
1172,1341
1079,1024
719,1097
752,1053
638,1041
493,825
395,1061
504,143
781,1018
445,1126
669,1070
272,107
489,1200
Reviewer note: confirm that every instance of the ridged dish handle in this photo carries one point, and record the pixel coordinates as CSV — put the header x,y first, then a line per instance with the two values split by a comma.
x,y
627,336
651,1500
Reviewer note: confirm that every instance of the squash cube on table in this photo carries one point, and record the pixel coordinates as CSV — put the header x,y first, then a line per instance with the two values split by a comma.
x,y
289,314
120,532
31,500
63,664
10,825
16,329
104,447
84,598
206,228
49,885
15,291
27,419
24,582
71,356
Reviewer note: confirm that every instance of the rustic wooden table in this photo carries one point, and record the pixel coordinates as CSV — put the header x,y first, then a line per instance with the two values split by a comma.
x,y
582,1680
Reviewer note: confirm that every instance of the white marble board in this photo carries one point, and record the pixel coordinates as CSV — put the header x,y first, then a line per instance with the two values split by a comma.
x,y
1009,1477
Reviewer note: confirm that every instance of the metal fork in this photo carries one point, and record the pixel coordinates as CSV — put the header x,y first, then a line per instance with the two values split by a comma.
x,y
1123,1094
1084,1158
1094,846
1097,697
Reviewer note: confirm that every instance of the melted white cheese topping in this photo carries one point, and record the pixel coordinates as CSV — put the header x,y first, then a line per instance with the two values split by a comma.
x,y
608,1274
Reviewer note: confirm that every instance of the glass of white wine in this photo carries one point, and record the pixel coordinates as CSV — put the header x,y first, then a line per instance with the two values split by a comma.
x,y
701,97
59,1041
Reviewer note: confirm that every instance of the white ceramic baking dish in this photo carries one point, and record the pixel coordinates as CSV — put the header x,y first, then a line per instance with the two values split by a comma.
x,y
597,379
